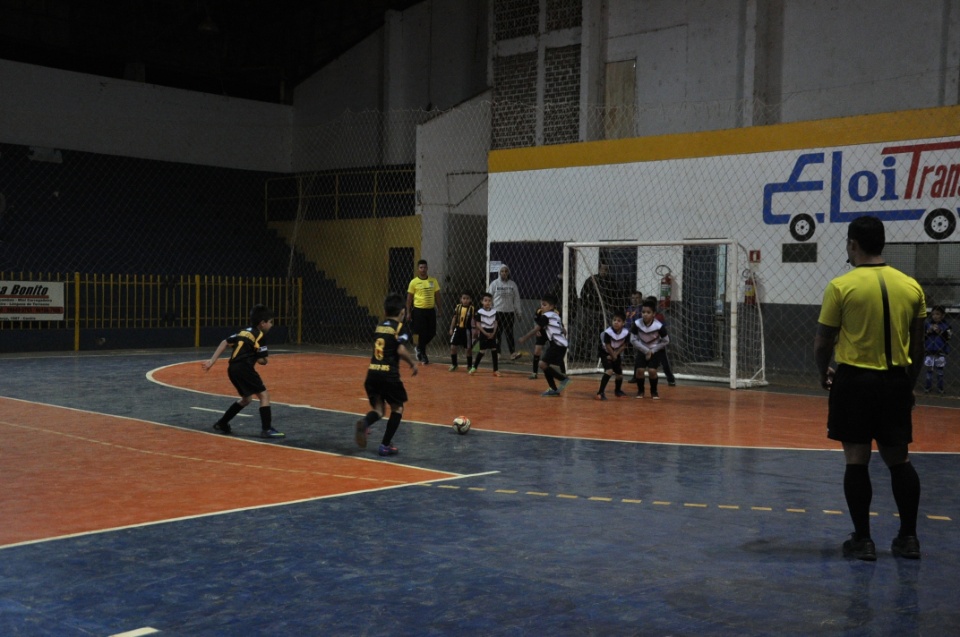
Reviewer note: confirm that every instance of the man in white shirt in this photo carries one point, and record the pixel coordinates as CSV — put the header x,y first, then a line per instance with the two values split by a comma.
x,y
506,302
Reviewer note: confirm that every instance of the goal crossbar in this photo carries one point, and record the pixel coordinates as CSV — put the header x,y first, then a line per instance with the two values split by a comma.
x,y
715,323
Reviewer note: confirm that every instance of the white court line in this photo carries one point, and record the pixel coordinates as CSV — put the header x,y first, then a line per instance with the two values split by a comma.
x,y
146,630
220,411
249,508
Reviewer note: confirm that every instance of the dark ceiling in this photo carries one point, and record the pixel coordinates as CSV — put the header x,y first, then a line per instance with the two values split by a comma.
x,y
252,49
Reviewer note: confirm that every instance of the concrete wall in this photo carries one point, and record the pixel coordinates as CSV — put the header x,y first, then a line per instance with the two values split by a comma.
x,y
61,109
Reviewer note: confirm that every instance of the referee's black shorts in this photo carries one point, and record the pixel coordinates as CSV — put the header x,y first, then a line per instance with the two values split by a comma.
x,y
867,405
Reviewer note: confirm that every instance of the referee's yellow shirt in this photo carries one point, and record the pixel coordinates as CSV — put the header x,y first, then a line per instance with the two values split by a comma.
x,y
424,292
854,303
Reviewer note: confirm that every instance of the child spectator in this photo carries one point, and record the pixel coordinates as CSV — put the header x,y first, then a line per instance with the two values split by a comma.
x,y
461,330
383,384
246,353
936,345
649,337
613,341
486,325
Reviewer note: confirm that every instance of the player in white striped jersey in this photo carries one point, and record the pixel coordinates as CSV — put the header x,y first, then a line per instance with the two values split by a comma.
x,y
551,325
649,337
613,341
486,324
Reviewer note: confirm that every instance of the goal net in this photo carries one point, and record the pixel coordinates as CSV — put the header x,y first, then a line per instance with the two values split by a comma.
x,y
705,296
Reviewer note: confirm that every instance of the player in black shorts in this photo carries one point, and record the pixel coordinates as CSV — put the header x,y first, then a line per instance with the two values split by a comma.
x,y
247,352
383,384
871,322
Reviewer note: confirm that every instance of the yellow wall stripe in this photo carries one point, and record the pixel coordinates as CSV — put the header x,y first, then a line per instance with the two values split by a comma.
x,y
842,131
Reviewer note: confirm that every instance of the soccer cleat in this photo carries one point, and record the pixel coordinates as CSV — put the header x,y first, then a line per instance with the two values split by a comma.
x,y
619,393
472,370
419,355
515,355
271,433
655,396
864,549
360,433
497,374
640,395
600,397
223,428
907,546
532,377
387,450
672,383
453,368
563,383
550,392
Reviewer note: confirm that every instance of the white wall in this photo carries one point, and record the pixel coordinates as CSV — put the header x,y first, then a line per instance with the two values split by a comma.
x,y
706,64
61,109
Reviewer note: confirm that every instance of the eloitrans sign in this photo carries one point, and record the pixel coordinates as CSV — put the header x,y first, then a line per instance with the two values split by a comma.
x,y
31,301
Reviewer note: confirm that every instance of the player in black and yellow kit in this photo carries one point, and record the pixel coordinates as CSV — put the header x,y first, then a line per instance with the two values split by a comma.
x,y
383,384
247,352
461,330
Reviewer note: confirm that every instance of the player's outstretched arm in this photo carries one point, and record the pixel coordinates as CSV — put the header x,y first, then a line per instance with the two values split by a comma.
x,y
213,359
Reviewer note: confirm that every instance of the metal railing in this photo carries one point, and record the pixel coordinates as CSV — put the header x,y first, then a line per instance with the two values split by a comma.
x,y
131,301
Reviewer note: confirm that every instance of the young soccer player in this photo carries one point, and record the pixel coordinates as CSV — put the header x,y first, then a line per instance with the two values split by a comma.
x,y
551,325
461,330
541,340
383,384
631,315
486,325
649,337
667,370
247,352
936,344
613,341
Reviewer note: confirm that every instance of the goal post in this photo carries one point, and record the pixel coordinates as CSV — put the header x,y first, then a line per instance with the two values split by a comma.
x,y
705,294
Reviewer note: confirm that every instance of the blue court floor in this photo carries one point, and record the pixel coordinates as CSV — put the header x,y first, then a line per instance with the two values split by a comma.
x,y
537,536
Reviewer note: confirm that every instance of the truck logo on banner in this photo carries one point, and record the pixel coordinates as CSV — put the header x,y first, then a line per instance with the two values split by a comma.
x,y
907,182
31,301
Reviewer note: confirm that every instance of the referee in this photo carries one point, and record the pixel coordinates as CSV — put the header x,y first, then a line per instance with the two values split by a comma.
x,y
423,295
871,321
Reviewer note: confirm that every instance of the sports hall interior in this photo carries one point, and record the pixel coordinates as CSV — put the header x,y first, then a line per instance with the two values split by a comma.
x,y
169,164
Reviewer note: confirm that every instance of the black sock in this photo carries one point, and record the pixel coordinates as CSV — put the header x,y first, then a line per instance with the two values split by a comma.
x,y
640,381
619,383
603,383
453,359
906,492
859,493
496,364
371,417
470,360
548,374
231,411
266,418
536,364
392,425
476,361
653,385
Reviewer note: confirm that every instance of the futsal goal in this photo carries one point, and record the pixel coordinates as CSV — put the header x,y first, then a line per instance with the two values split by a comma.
x,y
705,294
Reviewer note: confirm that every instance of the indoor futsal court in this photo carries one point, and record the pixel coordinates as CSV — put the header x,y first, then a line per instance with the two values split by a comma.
x,y
710,512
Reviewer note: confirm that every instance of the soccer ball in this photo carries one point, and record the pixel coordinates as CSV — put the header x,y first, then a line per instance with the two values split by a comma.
x,y
461,424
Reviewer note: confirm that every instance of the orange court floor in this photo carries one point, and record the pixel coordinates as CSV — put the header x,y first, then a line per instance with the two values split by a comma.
x,y
687,414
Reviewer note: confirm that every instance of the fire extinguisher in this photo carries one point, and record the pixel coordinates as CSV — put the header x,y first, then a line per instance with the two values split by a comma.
x,y
749,289
666,286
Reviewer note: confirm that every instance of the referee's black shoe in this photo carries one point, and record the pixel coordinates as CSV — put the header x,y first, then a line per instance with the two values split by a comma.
x,y
862,549
907,546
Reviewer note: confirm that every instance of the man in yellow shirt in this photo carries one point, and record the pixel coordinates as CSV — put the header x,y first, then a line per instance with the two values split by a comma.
x,y
423,296
871,322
